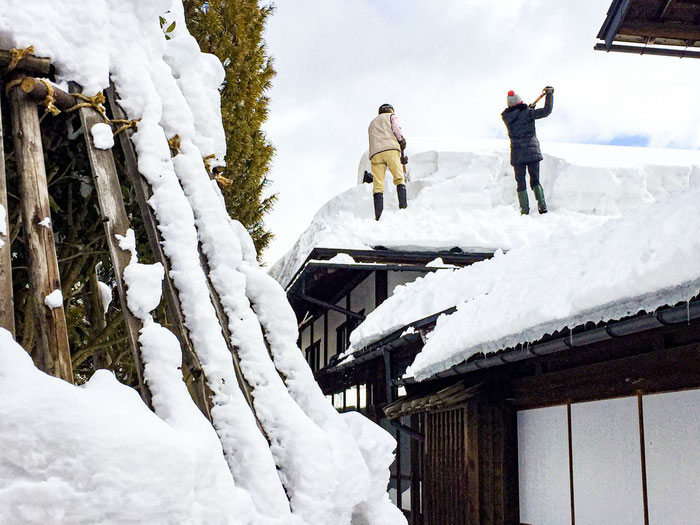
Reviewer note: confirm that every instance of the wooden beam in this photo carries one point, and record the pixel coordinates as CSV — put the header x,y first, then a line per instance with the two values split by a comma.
x,y
664,10
53,353
658,371
94,309
37,90
116,222
29,63
198,388
670,30
640,50
7,310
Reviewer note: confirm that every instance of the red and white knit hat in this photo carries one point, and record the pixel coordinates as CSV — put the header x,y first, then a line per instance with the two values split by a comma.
x,y
514,99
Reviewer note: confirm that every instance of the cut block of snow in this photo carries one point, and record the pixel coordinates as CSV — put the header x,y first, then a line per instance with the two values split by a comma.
x,y
105,295
54,299
463,194
45,222
102,136
144,283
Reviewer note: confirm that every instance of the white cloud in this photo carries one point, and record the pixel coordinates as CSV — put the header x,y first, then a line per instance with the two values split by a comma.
x,y
446,66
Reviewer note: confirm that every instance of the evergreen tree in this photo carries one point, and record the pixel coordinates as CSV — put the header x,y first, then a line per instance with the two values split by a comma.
x,y
232,30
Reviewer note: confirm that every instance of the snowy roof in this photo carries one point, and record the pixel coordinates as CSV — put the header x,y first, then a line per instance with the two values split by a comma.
x,y
462,194
642,259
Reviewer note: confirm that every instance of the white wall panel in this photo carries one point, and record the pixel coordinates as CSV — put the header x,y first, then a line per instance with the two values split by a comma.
x,y
362,296
394,279
607,462
672,444
543,466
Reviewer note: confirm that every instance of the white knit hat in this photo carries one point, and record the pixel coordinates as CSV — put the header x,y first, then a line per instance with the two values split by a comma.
x,y
514,99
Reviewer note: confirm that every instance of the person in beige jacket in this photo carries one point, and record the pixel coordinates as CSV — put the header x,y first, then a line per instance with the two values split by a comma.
x,y
385,145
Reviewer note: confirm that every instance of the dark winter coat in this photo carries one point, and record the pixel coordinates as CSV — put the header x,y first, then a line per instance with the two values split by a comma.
x,y
520,121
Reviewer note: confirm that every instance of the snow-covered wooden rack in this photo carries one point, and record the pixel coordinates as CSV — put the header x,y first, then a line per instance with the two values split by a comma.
x,y
25,93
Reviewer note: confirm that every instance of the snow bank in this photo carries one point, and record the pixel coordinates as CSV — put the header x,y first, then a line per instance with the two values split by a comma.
x,y
642,261
96,454
462,194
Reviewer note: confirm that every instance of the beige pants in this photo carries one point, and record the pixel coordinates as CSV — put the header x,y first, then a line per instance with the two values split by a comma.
x,y
380,162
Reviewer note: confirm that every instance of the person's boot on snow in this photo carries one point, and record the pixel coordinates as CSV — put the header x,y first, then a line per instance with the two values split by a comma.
x,y
525,153
385,145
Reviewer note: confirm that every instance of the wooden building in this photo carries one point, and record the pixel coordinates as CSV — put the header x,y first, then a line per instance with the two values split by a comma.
x,y
332,293
596,423
598,420
652,27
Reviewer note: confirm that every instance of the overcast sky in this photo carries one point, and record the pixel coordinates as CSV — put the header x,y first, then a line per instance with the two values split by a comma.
x,y
446,66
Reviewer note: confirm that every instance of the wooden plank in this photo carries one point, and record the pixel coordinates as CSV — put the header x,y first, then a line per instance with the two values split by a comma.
x,y
116,222
7,310
53,352
94,310
642,449
664,370
511,496
571,462
28,63
472,460
201,394
669,30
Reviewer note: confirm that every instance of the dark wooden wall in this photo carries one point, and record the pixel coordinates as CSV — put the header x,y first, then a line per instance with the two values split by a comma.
x,y
471,465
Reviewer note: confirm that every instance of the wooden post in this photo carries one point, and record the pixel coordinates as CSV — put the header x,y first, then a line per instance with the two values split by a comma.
x,y
7,311
53,353
116,222
96,315
27,63
142,191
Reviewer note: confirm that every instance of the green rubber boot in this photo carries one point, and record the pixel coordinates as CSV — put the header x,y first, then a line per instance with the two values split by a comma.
x,y
524,202
539,195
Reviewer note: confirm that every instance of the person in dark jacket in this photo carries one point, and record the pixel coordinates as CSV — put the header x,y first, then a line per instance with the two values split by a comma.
x,y
525,152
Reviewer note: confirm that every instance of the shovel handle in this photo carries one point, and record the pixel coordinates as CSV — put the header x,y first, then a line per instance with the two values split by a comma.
x,y
538,99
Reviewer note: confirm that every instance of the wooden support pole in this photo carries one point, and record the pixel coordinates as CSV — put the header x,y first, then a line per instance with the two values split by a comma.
x,y
96,315
142,191
7,311
53,353
28,63
116,222
37,90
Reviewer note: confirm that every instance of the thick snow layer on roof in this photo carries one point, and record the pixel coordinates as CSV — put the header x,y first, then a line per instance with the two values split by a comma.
x,y
462,194
643,260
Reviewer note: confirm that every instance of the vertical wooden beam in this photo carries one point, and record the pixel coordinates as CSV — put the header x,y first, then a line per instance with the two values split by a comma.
x,y
53,352
571,462
198,387
472,447
116,222
7,311
95,314
642,448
